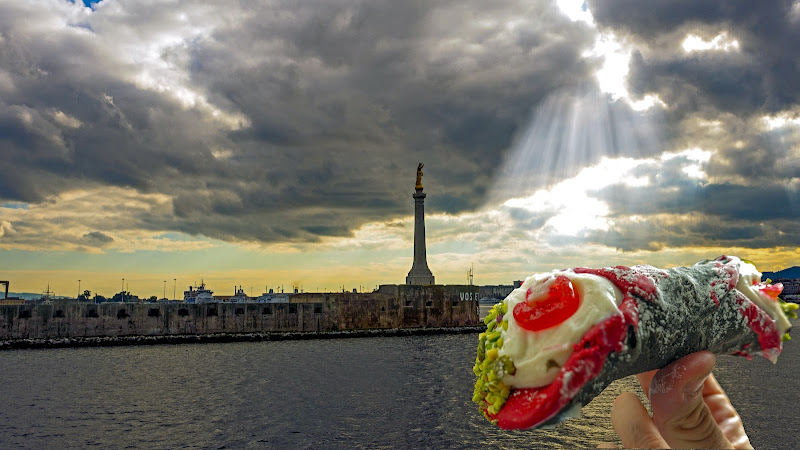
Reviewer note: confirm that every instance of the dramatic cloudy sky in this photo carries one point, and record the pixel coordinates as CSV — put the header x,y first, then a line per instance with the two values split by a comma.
x,y
275,142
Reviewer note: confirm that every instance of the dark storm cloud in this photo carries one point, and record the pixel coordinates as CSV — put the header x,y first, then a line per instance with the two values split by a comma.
x,y
676,210
119,135
696,230
277,121
737,87
726,201
760,76
716,101
291,121
764,159
368,100
97,239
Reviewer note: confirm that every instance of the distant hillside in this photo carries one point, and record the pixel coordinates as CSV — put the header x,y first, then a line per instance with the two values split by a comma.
x,y
792,272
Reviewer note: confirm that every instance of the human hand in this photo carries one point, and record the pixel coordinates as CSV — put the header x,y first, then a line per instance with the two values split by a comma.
x,y
690,409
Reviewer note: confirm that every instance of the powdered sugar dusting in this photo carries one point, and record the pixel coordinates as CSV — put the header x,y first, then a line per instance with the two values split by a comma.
x,y
664,383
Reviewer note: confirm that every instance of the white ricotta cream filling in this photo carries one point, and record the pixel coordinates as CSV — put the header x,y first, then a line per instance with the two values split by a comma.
x,y
748,276
539,355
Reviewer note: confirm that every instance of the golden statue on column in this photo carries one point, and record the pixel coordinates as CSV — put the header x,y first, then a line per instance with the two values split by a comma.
x,y
418,187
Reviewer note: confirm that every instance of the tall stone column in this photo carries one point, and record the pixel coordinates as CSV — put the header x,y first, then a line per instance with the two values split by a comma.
x,y
419,273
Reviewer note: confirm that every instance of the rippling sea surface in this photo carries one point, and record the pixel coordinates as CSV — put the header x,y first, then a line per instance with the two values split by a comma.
x,y
363,392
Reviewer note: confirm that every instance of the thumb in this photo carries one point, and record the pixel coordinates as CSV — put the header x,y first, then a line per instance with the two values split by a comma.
x,y
679,411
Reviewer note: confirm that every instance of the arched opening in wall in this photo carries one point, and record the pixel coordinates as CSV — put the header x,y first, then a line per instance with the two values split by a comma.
x,y
153,312
429,303
58,313
317,308
267,310
211,311
292,308
122,314
408,304
239,311
383,309
183,312
92,313
25,314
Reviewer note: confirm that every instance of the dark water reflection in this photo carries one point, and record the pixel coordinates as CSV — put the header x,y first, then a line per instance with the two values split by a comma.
x,y
367,392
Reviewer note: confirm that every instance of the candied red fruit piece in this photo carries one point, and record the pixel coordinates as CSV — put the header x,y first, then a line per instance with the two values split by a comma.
x,y
771,290
545,309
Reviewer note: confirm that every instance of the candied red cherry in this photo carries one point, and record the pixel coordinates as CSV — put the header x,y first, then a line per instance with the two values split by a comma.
x,y
545,309
771,290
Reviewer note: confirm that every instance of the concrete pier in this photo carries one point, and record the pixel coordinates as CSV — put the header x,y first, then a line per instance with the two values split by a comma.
x,y
391,307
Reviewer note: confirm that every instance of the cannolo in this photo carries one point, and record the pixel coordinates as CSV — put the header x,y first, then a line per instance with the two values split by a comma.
x,y
559,339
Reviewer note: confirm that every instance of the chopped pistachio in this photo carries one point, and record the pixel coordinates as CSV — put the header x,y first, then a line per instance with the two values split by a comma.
x,y
789,309
508,366
490,368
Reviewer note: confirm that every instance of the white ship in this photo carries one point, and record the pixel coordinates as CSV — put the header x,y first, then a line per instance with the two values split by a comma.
x,y
273,297
198,294
240,296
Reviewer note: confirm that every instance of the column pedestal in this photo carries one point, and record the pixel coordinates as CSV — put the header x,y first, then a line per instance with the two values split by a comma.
x,y
419,273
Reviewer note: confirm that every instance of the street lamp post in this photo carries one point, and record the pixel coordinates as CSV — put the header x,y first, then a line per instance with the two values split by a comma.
x,y
79,290
165,288
174,285
123,291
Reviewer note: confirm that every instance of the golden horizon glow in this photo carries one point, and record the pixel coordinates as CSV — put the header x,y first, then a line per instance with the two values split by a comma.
x,y
447,268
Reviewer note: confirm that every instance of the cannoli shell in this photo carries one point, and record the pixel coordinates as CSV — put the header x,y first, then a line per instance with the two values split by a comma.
x,y
666,314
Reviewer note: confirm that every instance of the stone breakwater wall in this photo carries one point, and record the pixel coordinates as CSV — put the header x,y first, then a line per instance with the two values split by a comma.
x,y
391,307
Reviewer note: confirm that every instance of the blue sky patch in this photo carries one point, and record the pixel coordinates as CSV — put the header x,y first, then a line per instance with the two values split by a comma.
x,y
15,205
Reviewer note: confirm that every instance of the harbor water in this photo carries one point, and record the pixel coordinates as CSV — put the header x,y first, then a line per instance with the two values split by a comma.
x,y
382,392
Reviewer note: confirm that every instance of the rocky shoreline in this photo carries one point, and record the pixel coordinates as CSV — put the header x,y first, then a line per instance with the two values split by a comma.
x,y
111,341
